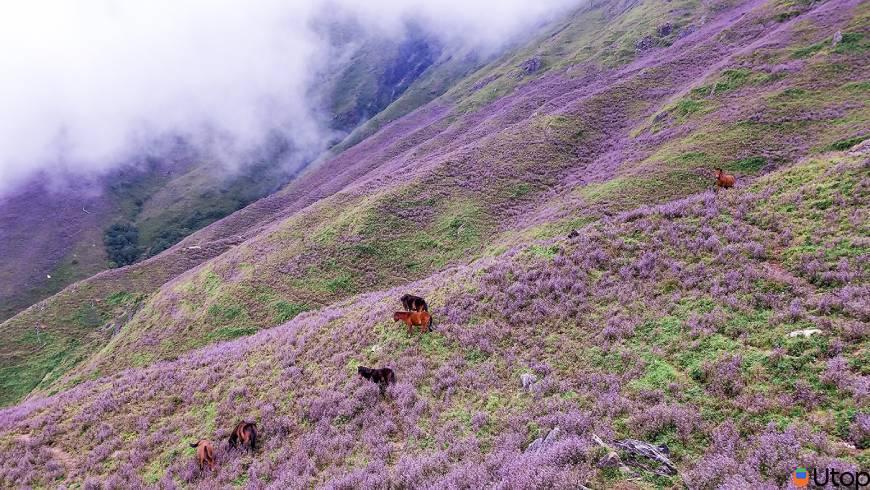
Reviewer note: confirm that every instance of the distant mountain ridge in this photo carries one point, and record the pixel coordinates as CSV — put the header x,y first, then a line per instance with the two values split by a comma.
x,y
178,193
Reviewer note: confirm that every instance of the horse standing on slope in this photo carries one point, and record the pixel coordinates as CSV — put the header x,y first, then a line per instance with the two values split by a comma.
x,y
204,453
245,433
723,180
420,319
413,303
383,376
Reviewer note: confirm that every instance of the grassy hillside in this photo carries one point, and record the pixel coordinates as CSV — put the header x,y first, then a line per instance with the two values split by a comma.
x,y
667,319
553,154
47,250
664,323
471,174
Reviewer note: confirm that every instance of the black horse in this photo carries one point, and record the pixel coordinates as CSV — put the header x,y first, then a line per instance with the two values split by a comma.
x,y
383,376
413,303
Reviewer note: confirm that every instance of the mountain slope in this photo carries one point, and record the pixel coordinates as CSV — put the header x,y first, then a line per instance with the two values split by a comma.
x,y
171,194
666,323
559,146
563,149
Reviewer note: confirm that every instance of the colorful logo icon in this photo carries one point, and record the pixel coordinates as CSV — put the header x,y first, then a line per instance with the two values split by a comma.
x,y
800,478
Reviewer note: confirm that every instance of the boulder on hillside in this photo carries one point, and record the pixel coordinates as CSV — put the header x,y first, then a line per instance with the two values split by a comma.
x,y
531,65
546,441
644,43
528,379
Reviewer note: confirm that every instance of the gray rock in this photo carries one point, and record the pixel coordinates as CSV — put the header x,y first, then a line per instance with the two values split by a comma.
x,y
545,442
531,65
610,460
643,44
553,436
528,379
838,37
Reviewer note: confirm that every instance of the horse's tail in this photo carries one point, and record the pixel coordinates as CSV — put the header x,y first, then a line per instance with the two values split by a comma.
x,y
431,323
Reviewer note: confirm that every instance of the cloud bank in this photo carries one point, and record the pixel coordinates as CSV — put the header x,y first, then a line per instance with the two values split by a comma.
x,y
86,85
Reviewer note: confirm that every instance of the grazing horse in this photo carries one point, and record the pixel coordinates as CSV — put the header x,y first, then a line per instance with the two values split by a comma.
x,y
420,319
723,180
244,433
204,453
413,303
383,376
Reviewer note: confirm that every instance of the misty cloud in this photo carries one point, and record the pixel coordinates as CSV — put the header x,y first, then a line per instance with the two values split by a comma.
x,y
86,85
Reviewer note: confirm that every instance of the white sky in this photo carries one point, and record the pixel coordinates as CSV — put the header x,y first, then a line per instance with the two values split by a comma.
x,y
86,83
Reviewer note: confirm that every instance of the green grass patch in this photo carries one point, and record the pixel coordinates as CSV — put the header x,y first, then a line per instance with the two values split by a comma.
x,y
550,230
810,50
658,375
518,190
210,282
852,42
602,191
120,298
434,346
847,143
747,165
544,252
139,359
53,353
730,80
229,333
220,313
286,311
88,316
343,283
687,107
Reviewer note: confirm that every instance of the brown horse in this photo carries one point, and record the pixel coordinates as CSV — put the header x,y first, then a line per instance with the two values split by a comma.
x,y
204,453
383,376
723,180
413,303
244,433
420,319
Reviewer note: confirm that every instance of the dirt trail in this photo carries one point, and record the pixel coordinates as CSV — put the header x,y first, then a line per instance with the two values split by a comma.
x,y
781,274
64,458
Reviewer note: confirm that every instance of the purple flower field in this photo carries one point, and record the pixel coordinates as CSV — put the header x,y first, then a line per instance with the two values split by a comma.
x,y
588,286
667,324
